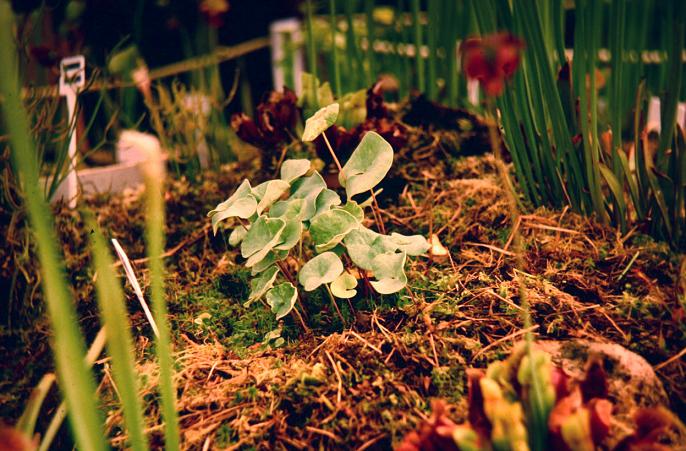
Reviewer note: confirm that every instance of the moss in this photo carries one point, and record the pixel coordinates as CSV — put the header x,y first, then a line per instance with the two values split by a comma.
x,y
217,311
449,382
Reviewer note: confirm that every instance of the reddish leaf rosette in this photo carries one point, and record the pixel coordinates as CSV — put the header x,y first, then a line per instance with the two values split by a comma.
x,y
434,434
492,60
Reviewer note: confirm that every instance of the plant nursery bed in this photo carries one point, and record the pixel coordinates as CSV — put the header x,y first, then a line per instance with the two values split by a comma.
x,y
366,383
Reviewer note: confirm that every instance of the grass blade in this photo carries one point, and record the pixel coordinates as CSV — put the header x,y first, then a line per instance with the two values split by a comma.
x,y
119,342
76,380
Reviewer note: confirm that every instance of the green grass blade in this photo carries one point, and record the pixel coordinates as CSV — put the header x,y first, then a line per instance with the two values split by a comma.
x,y
76,380
27,421
119,342
154,233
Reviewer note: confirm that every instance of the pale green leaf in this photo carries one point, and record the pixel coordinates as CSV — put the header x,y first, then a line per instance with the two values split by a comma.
x,y
324,268
389,270
264,234
241,204
291,234
294,169
343,286
327,199
291,208
329,228
354,209
269,192
308,189
282,299
237,235
412,245
368,164
364,245
320,121
267,261
259,285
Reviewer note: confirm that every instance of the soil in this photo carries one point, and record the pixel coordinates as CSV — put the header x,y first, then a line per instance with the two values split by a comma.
x,y
366,384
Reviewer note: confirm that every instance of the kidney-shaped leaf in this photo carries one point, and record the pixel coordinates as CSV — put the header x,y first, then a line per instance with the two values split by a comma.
x,y
343,286
241,203
282,298
308,189
269,192
294,169
320,121
368,164
237,235
354,209
259,285
364,245
264,234
291,234
327,199
389,270
329,228
412,245
324,268
267,261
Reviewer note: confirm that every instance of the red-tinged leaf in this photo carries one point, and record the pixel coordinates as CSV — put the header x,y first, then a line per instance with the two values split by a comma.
x,y
601,418
477,414
595,384
433,434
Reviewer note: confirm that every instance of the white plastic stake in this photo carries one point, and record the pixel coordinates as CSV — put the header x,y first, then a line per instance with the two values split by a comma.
x,y
72,78
128,269
278,31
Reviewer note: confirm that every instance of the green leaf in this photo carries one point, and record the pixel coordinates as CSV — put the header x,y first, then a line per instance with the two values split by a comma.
x,y
288,209
329,228
320,121
324,268
282,298
242,204
412,245
354,209
327,199
364,245
291,234
292,170
237,235
308,189
264,234
367,166
389,270
269,192
343,286
260,285
268,261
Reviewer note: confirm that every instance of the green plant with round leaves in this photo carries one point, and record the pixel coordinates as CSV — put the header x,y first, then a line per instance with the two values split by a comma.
x,y
274,221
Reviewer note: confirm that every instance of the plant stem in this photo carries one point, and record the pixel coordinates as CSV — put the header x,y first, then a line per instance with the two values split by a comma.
x,y
377,213
287,274
333,154
333,302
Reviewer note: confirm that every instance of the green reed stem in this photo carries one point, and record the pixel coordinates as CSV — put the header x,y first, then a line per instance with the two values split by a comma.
x,y
119,342
76,380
